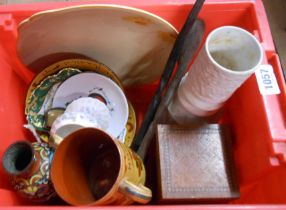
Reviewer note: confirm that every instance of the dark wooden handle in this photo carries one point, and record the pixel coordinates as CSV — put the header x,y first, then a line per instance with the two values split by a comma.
x,y
191,45
172,60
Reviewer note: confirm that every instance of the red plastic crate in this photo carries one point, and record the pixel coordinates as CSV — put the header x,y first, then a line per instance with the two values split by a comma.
x,y
258,122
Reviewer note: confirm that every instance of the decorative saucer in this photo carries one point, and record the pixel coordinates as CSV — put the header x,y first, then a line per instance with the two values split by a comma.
x,y
88,83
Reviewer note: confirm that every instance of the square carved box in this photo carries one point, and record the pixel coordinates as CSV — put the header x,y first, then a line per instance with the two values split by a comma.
x,y
195,164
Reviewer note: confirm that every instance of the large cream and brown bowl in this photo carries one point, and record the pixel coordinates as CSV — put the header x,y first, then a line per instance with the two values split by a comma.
x,y
134,43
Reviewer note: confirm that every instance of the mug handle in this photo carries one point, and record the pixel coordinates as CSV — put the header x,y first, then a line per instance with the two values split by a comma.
x,y
138,193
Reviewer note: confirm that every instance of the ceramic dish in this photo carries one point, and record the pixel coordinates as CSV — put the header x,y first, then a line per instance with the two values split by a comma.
x,y
86,84
41,97
44,85
82,64
135,44
53,70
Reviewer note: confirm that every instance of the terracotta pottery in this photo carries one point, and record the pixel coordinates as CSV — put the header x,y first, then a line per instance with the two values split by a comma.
x,y
91,168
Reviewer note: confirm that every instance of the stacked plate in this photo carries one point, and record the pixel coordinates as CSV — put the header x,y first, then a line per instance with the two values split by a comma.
x,y
63,46
57,86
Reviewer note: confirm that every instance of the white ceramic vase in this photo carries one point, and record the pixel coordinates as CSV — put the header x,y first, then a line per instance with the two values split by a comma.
x,y
229,57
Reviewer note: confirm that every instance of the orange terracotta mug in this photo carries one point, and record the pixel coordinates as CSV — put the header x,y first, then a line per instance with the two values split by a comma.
x,y
90,168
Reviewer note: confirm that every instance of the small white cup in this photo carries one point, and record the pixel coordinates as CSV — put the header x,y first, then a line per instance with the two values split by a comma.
x,y
83,112
93,108
229,57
